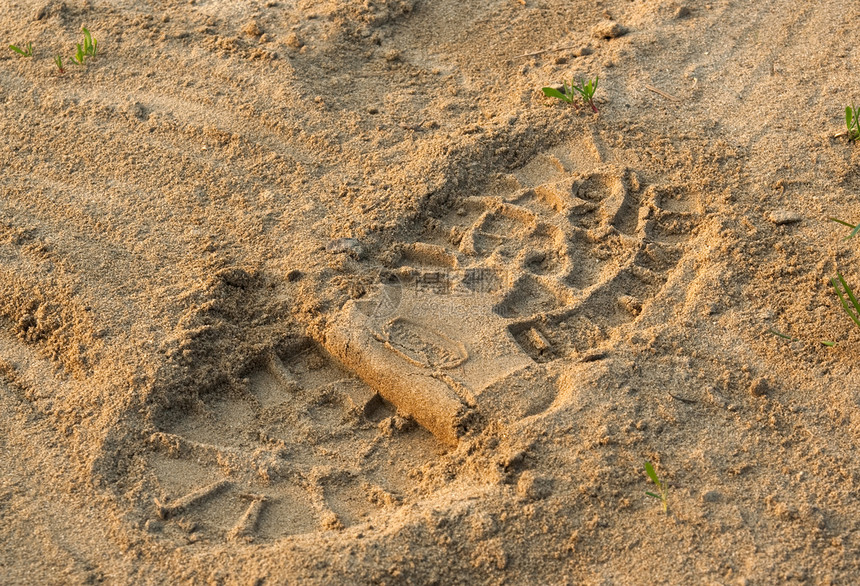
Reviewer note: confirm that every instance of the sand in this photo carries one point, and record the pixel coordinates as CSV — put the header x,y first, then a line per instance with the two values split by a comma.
x,y
327,291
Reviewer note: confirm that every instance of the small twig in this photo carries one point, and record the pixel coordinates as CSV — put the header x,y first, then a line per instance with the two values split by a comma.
x,y
792,339
682,399
662,93
781,335
546,51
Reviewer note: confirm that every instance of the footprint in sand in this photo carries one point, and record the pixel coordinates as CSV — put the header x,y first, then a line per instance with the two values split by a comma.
x,y
549,263
298,446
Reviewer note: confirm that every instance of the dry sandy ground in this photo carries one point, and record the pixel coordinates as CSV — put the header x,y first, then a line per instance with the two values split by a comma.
x,y
327,291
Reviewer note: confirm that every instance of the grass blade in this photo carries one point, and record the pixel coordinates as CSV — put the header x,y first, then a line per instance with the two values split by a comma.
x,y
854,229
649,469
845,296
656,496
775,333
551,92
790,339
843,222
845,306
18,50
850,294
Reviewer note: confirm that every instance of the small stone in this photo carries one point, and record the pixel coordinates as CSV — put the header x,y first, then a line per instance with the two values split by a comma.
x,y
607,29
294,275
583,51
781,217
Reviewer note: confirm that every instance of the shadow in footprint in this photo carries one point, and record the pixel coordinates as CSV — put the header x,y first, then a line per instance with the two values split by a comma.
x,y
527,297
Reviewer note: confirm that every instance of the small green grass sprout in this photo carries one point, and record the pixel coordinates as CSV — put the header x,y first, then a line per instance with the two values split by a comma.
x,y
25,52
854,229
58,61
585,89
661,486
565,95
88,50
840,285
91,45
847,298
852,121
